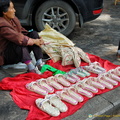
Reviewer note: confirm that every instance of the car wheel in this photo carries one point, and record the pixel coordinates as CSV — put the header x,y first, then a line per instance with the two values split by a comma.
x,y
58,14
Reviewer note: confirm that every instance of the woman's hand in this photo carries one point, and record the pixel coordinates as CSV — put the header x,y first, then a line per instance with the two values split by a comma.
x,y
38,42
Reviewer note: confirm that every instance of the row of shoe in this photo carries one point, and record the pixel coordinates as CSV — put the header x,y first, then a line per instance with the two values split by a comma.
x,y
88,86
75,93
51,104
44,86
95,67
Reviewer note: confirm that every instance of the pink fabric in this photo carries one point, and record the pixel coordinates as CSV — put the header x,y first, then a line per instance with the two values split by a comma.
x,y
25,99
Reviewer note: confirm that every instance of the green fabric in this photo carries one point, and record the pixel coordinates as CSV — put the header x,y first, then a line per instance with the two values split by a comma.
x,y
50,68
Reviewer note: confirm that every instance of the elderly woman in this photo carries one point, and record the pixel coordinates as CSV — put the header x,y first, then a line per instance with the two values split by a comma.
x,y
16,43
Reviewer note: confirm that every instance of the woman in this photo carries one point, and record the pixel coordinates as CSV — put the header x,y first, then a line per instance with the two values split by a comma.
x,y
16,43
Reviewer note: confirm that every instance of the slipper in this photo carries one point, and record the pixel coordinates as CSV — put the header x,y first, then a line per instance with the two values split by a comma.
x,y
82,91
93,82
74,76
81,70
51,81
117,71
113,74
69,78
61,79
79,73
66,97
56,101
43,84
108,78
92,69
87,87
98,66
35,88
105,83
44,105
73,93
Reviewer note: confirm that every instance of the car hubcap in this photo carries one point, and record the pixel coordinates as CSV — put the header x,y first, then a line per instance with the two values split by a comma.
x,y
57,18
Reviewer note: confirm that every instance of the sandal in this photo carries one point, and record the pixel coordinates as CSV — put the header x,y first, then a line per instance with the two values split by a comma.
x,y
44,105
82,91
75,71
66,97
61,79
74,76
73,93
117,71
56,101
51,81
35,88
43,84
81,70
87,87
97,65
93,82
114,73
69,78
101,79
108,78
92,69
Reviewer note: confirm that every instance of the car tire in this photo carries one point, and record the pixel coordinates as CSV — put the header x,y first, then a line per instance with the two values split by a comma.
x,y
58,14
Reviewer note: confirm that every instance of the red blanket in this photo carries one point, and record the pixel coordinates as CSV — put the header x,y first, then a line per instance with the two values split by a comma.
x,y
25,99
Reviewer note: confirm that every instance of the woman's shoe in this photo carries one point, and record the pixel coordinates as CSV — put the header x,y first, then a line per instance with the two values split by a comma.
x,y
82,91
35,88
61,79
114,74
87,87
93,82
102,80
66,97
56,101
44,105
73,93
108,77
52,82
43,84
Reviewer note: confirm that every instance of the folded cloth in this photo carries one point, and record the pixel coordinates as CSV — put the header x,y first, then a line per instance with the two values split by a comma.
x,y
52,69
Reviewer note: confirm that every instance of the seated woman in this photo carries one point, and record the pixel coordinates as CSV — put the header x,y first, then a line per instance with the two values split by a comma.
x,y
16,43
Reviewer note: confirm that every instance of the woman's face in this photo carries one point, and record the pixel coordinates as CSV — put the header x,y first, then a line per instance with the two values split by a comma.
x,y
10,14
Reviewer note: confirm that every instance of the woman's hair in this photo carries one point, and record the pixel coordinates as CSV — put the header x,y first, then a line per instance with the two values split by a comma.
x,y
4,5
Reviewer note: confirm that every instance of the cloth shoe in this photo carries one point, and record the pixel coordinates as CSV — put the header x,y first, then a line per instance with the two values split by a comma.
x,y
40,65
35,70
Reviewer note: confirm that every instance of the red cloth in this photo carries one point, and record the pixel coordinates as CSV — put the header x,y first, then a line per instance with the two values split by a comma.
x,y
25,99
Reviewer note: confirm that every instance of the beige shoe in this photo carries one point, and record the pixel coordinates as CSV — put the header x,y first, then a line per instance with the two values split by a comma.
x,y
56,101
44,105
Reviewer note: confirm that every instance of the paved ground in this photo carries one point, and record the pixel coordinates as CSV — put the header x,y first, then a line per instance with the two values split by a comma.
x,y
99,37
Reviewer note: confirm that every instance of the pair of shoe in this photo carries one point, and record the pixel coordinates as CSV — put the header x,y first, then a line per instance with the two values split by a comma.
x,y
95,67
80,72
52,105
94,82
33,86
116,72
71,77
84,85
58,81
104,81
35,70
